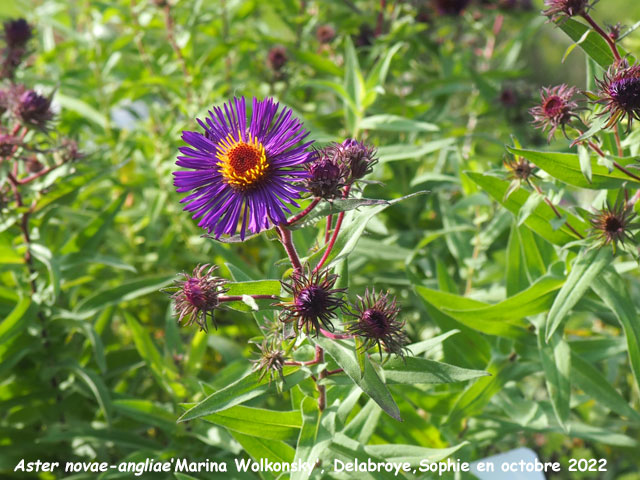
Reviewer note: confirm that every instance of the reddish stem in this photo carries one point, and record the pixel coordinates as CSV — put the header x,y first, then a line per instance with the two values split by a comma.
x,y
304,212
603,34
335,372
334,237
335,336
30,178
289,247
555,210
327,230
383,6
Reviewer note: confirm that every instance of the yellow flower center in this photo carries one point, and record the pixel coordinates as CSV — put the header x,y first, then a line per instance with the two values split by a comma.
x,y
242,164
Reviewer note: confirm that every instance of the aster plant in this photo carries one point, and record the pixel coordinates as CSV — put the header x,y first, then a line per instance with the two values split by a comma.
x,y
246,173
590,232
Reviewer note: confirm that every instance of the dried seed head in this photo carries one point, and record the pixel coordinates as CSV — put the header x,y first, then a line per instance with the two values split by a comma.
x,y
620,93
565,8
613,225
17,33
556,109
270,362
196,296
376,322
357,157
450,7
277,58
34,109
315,300
519,168
325,33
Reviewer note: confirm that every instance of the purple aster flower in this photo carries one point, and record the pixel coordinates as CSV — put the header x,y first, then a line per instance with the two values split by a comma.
x,y
243,175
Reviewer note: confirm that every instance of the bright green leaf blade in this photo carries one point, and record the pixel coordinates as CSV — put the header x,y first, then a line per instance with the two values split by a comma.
x,y
569,168
612,290
593,383
242,391
556,363
258,422
413,370
345,356
584,271
540,219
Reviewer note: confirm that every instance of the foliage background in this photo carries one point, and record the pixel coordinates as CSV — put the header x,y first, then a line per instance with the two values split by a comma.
x,y
110,231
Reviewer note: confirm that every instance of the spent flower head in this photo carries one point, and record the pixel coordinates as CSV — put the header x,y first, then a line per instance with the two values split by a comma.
x,y
32,108
326,174
556,109
450,7
243,175
620,93
277,57
270,362
376,322
612,225
325,33
557,9
196,296
357,157
315,300
17,33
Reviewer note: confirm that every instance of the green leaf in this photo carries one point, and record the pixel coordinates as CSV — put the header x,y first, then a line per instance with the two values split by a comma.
x,y
424,346
504,319
90,236
585,162
258,422
272,450
516,274
95,384
17,320
313,438
613,291
243,390
146,348
122,293
540,219
355,88
569,168
556,363
257,287
587,378
354,226
83,108
593,45
147,412
412,454
395,123
345,356
390,153
318,62
584,271
335,206
412,370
